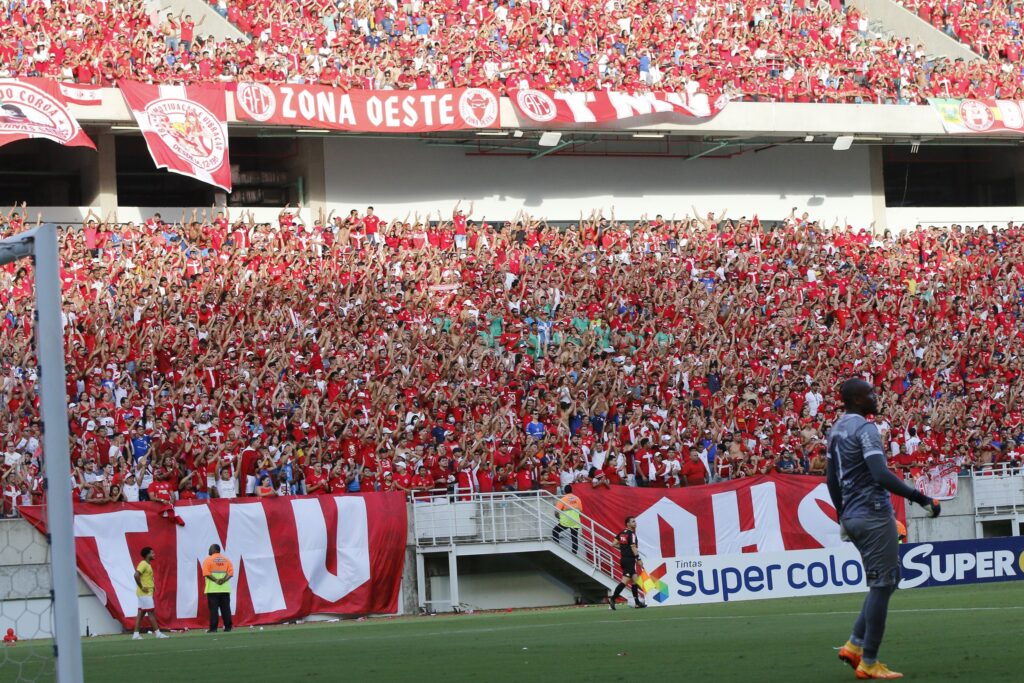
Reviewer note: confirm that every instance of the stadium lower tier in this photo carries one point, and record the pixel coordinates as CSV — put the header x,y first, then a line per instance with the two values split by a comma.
x,y
216,357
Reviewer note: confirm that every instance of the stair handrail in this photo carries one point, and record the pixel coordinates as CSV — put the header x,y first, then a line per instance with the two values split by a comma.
x,y
596,541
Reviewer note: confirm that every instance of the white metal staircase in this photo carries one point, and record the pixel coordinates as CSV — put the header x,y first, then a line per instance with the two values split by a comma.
x,y
465,524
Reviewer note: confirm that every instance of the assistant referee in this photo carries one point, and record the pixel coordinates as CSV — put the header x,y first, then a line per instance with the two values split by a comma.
x,y
859,483
218,572
629,559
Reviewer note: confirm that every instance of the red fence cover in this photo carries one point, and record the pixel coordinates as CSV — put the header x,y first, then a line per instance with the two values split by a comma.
x,y
292,556
756,514
601,106
36,108
367,111
185,127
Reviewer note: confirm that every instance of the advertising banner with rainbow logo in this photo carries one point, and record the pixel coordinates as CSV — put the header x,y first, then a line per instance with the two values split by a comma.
x,y
826,571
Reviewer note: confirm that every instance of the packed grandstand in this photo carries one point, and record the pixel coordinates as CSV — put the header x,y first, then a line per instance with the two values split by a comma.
x,y
215,355
210,355
804,51
368,294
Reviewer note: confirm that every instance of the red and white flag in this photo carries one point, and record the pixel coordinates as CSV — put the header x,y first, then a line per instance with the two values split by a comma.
x,y
294,556
939,481
34,108
82,95
540,107
185,128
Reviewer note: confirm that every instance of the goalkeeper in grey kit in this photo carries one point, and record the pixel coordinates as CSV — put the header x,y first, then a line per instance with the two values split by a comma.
x,y
860,483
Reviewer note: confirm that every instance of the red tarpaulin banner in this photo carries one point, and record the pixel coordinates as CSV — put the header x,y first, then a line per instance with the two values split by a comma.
x,y
292,556
35,108
82,95
601,106
768,513
185,127
369,111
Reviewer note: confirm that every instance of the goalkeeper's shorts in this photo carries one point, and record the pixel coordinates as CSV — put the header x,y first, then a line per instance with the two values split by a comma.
x,y
879,546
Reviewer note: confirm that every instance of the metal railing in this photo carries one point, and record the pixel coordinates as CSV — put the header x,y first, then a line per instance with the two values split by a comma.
x,y
998,469
998,489
530,516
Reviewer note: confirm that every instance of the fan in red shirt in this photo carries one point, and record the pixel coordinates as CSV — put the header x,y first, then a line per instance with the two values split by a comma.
x,y
693,471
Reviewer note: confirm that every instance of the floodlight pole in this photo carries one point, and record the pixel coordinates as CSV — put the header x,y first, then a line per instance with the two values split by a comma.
x,y
41,242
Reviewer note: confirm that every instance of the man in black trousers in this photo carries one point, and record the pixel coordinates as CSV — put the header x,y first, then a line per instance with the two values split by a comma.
x,y
218,572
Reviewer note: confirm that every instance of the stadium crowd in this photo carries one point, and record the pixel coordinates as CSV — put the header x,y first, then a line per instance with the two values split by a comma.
x,y
992,28
213,356
804,51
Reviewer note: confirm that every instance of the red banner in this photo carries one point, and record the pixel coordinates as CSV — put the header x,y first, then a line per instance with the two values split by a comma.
x,y
757,514
185,128
601,106
368,111
292,556
81,94
35,108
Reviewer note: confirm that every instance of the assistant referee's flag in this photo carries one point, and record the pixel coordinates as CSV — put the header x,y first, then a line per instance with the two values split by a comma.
x,y
185,128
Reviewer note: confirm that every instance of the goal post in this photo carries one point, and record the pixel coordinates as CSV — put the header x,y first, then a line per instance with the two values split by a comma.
x,y
41,245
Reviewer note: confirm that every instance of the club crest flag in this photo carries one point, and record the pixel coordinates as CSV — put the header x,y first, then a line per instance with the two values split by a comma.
x,y
968,117
36,108
185,128
939,481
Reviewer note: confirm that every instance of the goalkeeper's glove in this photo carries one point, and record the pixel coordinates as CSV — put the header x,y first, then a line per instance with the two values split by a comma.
x,y
933,508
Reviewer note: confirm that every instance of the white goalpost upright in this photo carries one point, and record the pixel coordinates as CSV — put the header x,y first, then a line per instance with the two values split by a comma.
x,y
41,245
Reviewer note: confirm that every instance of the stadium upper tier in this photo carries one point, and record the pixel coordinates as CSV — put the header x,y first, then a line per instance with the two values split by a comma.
x,y
748,50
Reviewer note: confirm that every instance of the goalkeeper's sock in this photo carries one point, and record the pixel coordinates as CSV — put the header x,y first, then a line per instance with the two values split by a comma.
x,y
876,608
855,644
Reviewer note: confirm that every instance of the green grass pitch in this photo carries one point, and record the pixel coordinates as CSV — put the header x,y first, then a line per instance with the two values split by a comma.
x,y
968,633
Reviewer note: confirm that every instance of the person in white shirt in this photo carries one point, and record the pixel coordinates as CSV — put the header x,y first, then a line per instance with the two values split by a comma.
x,y
130,488
814,400
145,474
227,486
913,441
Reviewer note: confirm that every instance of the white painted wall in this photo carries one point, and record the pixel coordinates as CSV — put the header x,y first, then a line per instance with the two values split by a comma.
x,y
25,585
504,590
905,218
399,176
957,521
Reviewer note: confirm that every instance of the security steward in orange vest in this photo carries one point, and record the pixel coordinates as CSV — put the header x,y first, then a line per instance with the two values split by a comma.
x,y
218,572
567,510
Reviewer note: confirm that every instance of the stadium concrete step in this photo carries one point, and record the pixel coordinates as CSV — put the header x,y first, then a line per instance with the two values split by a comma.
x,y
890,18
